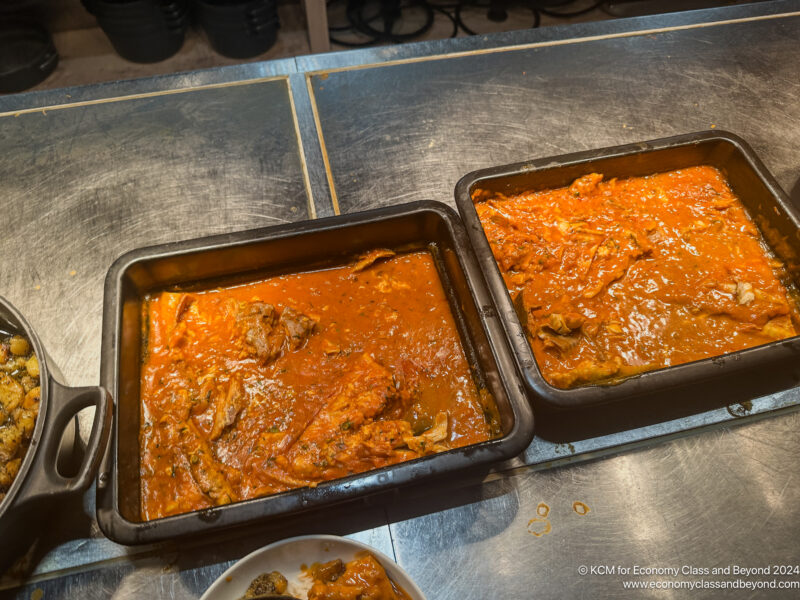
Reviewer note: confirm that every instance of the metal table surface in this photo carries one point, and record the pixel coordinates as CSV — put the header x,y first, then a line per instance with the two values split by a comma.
x,y
89,173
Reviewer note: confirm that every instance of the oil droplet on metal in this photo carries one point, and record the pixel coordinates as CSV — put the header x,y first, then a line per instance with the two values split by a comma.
x,y
543,510
37,594
539,530
580,508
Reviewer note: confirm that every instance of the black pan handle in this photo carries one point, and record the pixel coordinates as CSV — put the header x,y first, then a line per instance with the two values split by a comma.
x,y
63,404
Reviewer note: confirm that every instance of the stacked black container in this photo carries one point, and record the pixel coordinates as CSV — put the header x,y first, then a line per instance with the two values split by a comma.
x,y
142,30
27,53
239,28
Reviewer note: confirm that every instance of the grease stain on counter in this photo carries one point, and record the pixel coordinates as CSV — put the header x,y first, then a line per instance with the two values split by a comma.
x,y
540,524
580,508
539,527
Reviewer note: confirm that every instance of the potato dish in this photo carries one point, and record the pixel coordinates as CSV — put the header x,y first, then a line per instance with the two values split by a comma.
x,y
19,404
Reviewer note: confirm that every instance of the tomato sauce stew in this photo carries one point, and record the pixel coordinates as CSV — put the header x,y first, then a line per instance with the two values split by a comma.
x,y
613,278
255,389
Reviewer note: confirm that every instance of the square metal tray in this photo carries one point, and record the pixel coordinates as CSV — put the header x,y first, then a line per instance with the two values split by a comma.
x,y
765,201
251,255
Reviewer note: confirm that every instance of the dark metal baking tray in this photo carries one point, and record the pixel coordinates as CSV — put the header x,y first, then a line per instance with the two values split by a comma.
x,y
210,261
750,180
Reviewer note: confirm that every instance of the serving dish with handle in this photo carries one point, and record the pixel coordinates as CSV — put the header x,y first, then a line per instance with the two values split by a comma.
x,y
39,485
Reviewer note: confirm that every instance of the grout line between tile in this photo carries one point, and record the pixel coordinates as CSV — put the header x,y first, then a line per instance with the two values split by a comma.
x,y
323,148
209,86
312,209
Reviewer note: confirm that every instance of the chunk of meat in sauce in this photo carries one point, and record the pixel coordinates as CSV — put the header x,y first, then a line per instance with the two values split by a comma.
x,y
364,578
585,185
268,334
181,305
370,258
329,571
779,328
432,440
557,331
348,434
227,408
334,436
208,473
266,584
297,326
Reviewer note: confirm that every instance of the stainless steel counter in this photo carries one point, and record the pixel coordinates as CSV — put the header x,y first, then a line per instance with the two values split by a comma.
x,y
90,173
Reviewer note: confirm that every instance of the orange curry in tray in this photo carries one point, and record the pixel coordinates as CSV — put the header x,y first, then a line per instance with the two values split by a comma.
x,y
259,388
613,278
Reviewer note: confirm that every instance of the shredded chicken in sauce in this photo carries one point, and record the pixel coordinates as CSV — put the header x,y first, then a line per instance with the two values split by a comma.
x,y
298,379
613,278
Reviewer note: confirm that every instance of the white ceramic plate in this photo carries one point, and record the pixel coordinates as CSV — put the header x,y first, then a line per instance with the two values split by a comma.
x,y
286,556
